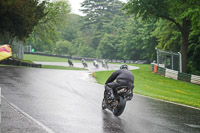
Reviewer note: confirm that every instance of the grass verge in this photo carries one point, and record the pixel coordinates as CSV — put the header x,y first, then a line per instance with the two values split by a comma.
x,y
61,67
156,86
46,58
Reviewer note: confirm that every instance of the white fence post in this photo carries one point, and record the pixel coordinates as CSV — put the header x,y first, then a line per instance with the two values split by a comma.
x,y
180,59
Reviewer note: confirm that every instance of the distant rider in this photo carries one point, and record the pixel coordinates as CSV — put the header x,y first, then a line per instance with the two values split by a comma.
x,y
84,63
70,62
123,77
95,63
104,63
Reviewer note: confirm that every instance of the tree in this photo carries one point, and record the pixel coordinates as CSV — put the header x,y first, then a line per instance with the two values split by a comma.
x,y
100,11
63,48
194,54
85,51
97,14
72,28
137,42
18,18
180,12
47,32
108,47
168,36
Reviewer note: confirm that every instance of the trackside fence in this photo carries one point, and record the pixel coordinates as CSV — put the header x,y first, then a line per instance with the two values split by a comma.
x,y
16,62
175,74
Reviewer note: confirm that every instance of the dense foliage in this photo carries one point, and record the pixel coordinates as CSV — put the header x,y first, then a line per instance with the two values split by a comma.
x,y
183,14
47,32
18,18
105,30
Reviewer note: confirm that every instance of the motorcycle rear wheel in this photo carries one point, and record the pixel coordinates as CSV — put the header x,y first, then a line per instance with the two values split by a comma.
x,y
103,104
120,107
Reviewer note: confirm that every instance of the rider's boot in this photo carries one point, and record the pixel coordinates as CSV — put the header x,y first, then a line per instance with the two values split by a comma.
x,y
130,96
109,92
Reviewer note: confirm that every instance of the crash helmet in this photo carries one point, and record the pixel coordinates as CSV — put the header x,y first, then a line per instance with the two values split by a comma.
x,y
124,66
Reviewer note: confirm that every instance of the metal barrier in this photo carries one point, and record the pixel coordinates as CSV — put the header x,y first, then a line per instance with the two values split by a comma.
x,y
14,62
175,74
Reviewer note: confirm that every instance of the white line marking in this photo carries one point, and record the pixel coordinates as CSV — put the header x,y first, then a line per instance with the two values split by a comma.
x,y
193,126
28,116
168,102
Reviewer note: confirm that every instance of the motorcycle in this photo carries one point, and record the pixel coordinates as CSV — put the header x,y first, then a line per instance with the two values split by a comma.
x,y
105,66
70,63
84,64
96,65
122,94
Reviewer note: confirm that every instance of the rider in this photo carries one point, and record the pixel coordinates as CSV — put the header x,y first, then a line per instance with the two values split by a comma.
x,y
70,62
104,63
123,77
95,63
83,61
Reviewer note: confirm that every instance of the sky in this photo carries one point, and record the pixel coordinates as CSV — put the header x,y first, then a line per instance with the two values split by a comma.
x,y
76,5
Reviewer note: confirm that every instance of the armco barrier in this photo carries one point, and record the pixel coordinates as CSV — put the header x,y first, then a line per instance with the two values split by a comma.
x,y
171,74
175,74
195,79
184,77
161,71
11,61
152,67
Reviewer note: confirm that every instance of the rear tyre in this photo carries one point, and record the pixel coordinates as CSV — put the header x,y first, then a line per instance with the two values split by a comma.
x,y
120,107
103,104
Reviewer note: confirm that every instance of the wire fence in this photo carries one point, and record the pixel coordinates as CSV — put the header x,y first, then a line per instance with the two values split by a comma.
x,y
18,50
169,60
28,48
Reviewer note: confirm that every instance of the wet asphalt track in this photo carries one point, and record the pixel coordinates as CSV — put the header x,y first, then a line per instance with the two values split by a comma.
x,y
70,102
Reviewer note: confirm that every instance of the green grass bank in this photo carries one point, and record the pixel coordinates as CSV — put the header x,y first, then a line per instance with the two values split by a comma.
x,y
46,58
61,67
159,87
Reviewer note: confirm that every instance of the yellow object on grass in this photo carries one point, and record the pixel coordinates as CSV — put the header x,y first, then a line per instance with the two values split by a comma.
x,y
5,52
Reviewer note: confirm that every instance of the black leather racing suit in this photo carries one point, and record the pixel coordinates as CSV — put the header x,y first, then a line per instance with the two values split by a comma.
x,y
123,77
70,62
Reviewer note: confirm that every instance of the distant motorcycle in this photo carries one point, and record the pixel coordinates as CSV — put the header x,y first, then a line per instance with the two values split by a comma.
x,y
84,64
70,63
117,105
104,64
96,64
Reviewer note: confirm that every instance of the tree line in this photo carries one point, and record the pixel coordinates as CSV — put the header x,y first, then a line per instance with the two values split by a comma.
x,y
18,18
111,29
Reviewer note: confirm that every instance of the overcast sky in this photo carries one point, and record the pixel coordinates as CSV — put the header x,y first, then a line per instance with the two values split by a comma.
x,y
75,6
